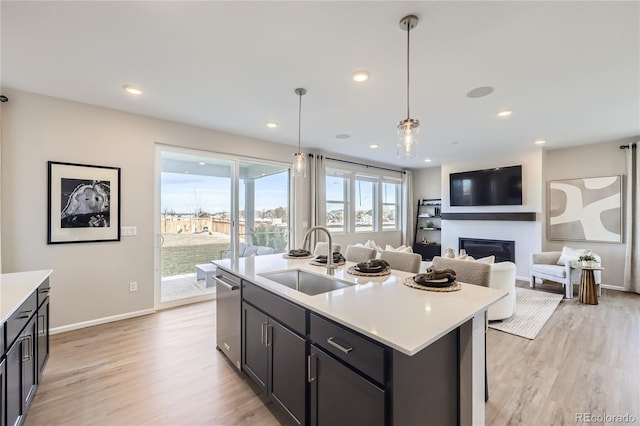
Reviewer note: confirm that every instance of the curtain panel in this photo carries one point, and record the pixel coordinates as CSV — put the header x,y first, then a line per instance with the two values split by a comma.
x,y
632,228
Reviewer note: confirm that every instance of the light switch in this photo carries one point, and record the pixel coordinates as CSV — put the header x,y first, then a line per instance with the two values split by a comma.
x,y
129,231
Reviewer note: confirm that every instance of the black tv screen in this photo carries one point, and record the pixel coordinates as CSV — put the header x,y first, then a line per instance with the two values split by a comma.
x,y
501,186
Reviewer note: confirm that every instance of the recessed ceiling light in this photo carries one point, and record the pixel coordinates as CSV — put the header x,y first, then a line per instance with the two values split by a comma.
x,y
479,92
360,76
202,163
186,172
540,141
505,113
343,136
427,160
132,89
374,146
272,124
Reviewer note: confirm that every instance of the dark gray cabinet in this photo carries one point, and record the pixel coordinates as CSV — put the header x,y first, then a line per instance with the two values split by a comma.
x,y
13,383
3,391
21,374
274,357
25,348
272,353
43,337
287,370
340,396
254,351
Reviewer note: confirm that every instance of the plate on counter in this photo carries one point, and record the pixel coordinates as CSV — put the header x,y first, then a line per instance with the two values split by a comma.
x,y
442,282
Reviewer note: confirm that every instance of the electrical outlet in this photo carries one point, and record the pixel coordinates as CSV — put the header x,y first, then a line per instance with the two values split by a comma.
x,y
133,286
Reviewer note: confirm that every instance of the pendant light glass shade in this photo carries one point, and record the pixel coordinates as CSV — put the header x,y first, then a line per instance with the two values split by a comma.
x,y
299,166
408,128
408,138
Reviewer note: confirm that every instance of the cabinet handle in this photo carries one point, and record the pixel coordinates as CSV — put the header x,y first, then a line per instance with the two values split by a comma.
x,y
310,378
26,313
44,290
26,355
219,280
338,345
268,341
41,330
262,333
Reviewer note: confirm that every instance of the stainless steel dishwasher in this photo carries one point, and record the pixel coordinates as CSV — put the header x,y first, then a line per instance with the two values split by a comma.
x,y
228,315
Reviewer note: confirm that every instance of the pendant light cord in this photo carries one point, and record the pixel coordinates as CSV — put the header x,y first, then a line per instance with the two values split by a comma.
x,y
408,41
299,120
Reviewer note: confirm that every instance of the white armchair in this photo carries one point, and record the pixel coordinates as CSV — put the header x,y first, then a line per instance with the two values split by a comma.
x,y
545,266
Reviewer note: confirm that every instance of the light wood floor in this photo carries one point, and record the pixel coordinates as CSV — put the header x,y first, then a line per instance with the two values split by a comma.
x,y
163,369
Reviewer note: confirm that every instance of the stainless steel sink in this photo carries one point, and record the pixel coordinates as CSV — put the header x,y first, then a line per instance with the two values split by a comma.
x,y
305,282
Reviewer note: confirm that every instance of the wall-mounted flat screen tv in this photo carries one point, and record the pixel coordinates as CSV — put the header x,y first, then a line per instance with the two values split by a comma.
x,y
500,186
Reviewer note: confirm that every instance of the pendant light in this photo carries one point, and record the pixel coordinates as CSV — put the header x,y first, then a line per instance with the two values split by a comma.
x,y
299,159
409,127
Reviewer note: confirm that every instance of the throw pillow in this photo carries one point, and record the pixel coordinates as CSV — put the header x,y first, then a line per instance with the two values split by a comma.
x,y
464,257
372,244
488,259
570,254
469,258
389,248
405,249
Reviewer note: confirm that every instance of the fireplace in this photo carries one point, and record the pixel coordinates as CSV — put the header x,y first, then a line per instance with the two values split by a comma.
x,y
504,251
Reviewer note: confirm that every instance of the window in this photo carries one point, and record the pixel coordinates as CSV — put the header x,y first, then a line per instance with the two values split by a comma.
x,y
390,204
337,208
364,204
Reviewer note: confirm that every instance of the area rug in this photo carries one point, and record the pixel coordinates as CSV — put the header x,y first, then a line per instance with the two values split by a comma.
x,y
533,310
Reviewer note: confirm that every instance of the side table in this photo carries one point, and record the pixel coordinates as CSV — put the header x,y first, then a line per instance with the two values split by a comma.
x,y
587,293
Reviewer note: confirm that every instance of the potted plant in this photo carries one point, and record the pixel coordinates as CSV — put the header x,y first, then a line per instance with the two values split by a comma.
x,y
587,260
430,225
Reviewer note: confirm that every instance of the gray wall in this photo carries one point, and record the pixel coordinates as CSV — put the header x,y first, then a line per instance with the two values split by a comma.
x,y
602,159
90,280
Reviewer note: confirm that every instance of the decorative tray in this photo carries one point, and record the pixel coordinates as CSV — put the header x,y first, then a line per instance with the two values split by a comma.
x,y
454,286
354,270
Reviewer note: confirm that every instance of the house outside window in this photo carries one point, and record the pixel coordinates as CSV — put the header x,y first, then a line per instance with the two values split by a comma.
x,y
337,206
362,203
390,195
365,201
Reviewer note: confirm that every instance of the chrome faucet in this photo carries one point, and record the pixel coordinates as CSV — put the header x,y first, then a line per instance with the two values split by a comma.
x,y
330,266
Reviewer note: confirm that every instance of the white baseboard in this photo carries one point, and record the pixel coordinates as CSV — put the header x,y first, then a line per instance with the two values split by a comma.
x,y
99,321
612,287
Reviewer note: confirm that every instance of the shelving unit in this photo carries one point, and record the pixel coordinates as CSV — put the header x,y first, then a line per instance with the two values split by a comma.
x,y
428,227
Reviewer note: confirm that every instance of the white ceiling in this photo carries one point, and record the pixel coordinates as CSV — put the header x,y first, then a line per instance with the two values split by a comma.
x,y
570,71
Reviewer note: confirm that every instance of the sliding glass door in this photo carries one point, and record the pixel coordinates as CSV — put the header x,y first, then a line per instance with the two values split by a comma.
x,y
214,207
195,221
264,208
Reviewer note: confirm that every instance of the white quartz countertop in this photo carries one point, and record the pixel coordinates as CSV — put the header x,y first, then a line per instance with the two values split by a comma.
x,y
382,308
16,287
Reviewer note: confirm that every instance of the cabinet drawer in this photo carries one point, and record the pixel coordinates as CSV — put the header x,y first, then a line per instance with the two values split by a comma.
x,y
43,291
289,314
357,351
19,319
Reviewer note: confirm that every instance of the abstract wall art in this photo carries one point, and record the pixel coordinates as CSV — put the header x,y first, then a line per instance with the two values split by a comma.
x,y
84,203
588,209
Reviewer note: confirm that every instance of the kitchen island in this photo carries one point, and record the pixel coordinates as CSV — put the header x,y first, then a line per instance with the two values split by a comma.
x,y
419,354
